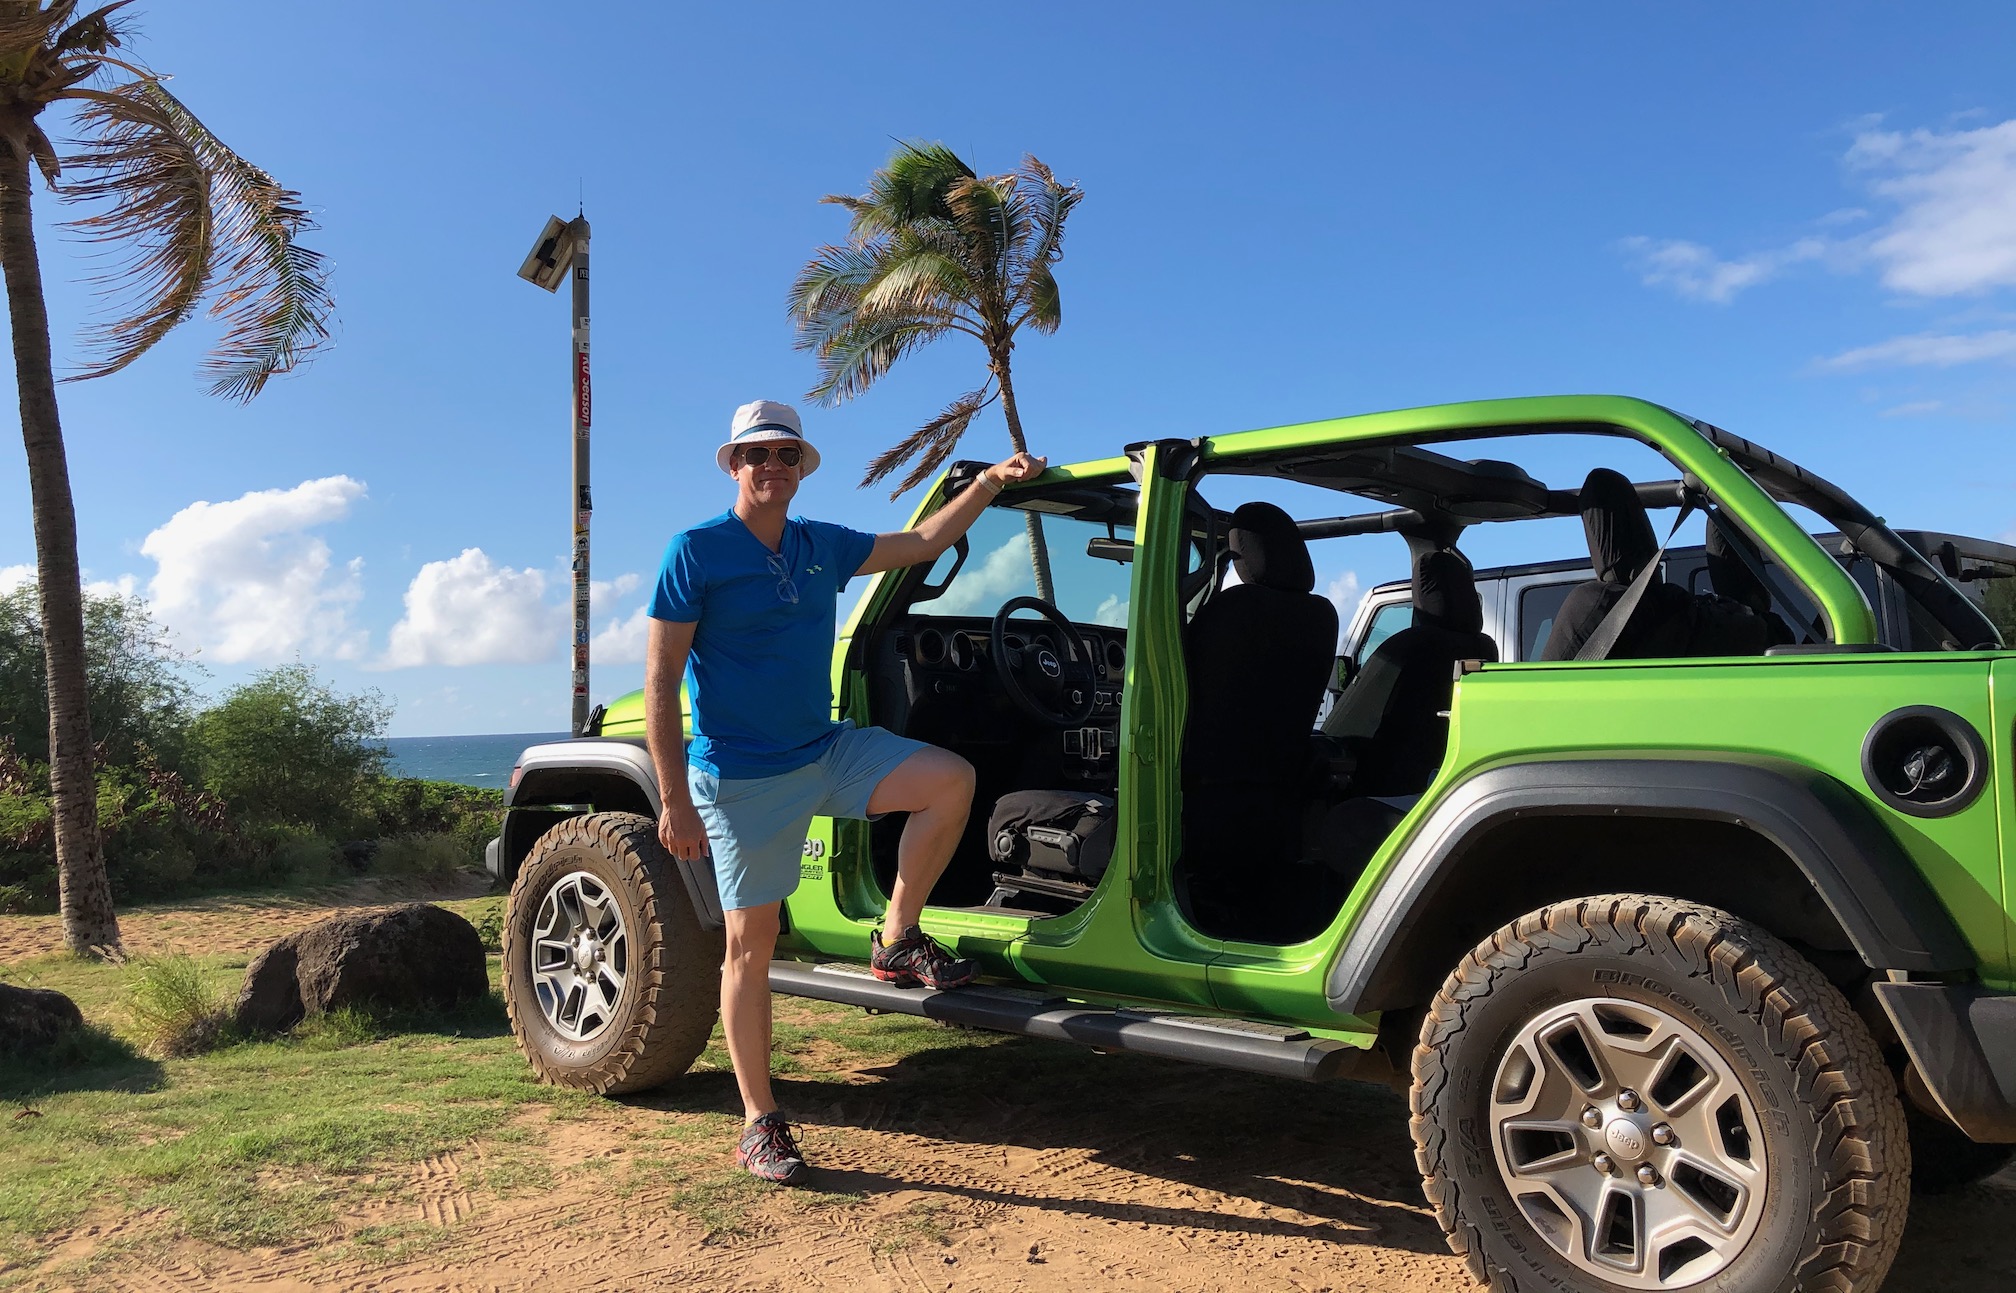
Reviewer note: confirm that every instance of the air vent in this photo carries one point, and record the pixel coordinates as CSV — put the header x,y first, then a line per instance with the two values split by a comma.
x,y
930,647
1924,761
1116,655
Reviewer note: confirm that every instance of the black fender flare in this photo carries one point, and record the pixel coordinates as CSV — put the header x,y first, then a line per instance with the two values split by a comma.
x,y
1882,901
572,772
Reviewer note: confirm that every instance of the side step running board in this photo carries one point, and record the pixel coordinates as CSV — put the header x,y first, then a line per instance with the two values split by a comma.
x,y
1202,1039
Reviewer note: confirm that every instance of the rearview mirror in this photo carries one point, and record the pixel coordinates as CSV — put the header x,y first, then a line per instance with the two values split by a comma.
x,y
1107,549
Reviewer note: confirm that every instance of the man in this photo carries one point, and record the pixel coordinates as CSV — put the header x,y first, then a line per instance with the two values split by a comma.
x,y
746,601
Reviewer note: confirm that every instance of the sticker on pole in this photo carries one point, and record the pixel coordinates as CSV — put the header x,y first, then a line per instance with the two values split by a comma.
x,y
581,401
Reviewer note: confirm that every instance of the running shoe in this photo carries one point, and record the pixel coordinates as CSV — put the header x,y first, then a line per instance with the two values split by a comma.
x,y
913,960
769,1150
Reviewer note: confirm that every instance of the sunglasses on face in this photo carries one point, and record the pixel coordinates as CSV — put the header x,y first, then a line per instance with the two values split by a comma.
x,y
757,455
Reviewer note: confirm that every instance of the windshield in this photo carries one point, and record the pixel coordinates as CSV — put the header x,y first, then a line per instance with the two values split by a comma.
x,y
997,566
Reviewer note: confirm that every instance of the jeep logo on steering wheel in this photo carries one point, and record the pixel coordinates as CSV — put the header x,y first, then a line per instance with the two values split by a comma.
x,y
1047,661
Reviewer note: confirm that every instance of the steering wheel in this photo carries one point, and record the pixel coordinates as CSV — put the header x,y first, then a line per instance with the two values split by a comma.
x,y
1053,690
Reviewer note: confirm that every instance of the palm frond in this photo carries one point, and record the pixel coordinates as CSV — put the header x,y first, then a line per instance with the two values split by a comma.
x,y
854,359
26,27
241,237
1050,205
1042,308
930,444
94,33
833,279
159,208
910,186
922,281
44,154
991,220
46,49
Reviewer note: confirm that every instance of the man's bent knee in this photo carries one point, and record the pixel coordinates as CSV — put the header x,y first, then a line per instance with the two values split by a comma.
x,y
930,778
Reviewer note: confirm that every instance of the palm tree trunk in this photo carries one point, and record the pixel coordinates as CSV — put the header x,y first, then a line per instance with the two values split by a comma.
x,y
1039,549
89,922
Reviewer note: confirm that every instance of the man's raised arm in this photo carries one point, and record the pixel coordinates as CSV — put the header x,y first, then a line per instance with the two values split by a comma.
x,y
942,528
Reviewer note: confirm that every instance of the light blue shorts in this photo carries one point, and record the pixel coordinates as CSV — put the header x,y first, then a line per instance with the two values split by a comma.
x,y
756,825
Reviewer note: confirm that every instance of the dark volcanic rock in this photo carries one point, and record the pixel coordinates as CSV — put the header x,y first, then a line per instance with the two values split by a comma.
x,y
270,999
411,957
32,1018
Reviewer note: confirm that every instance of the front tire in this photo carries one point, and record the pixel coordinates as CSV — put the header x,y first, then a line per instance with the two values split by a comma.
x,y
611,982
1631,1092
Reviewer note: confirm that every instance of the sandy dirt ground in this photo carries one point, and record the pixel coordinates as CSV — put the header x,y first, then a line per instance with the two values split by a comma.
x,y
223,926
1106,1172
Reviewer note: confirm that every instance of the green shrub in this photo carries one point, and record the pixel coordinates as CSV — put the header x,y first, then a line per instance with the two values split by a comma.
x,y
302,856
174,1009
410,806
162,836
488,918
285,748
437,853
137,694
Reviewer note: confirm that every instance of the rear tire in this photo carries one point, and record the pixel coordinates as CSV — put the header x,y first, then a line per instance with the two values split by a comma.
x,y
1746,1131
612,983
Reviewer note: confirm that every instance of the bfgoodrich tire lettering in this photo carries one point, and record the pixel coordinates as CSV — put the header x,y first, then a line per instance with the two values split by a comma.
x,y
1838,1186
671,969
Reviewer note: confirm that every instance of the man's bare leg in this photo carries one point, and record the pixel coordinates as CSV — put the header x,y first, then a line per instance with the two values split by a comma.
x,y
745,1004
936,788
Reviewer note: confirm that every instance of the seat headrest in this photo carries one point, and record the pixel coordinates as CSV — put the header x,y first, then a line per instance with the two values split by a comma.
x,y
1445,593
1614,522
1268,550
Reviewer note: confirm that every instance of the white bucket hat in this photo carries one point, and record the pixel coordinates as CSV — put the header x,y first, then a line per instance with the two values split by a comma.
x,y
762,421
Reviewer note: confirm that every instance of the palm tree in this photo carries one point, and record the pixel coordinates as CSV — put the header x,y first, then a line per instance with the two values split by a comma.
x,y
936,249
189,220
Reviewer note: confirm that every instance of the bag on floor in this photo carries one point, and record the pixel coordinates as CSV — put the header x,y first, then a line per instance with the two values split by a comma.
x,y
1054,832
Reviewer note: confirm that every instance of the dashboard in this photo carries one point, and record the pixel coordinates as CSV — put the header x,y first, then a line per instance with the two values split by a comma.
x,y
951,648
933,678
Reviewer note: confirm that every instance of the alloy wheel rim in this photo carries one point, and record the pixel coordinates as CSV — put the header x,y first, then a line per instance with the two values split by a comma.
x,y
1629,1143
580,956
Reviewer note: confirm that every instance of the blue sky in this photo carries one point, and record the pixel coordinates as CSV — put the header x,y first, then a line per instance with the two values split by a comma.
x,y
1797,220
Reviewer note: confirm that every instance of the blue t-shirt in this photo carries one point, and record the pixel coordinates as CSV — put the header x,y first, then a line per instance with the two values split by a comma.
x,y
760,672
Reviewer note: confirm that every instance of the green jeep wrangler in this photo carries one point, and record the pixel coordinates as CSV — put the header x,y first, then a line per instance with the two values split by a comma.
x,y
1684,932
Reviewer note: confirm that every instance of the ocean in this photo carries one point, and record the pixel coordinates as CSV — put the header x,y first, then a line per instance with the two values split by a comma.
x,y
468,760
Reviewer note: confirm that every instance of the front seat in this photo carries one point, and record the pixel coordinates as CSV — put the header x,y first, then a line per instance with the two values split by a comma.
x,y
1260,655
1390,719
1620,544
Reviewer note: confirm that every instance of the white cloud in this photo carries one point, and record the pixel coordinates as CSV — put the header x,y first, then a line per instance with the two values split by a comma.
x,y
243,580
1697,273
1950,228
1003,573
13,577
123,586
623,638
1112,611
622,641
1955,230
468,610
1929,349
1344,594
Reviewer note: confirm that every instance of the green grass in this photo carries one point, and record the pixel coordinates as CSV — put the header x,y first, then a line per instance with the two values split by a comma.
x,y
175,1007
270,1141
257,1142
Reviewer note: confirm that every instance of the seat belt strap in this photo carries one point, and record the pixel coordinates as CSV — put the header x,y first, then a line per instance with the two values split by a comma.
x,y
1746,552
1599,644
